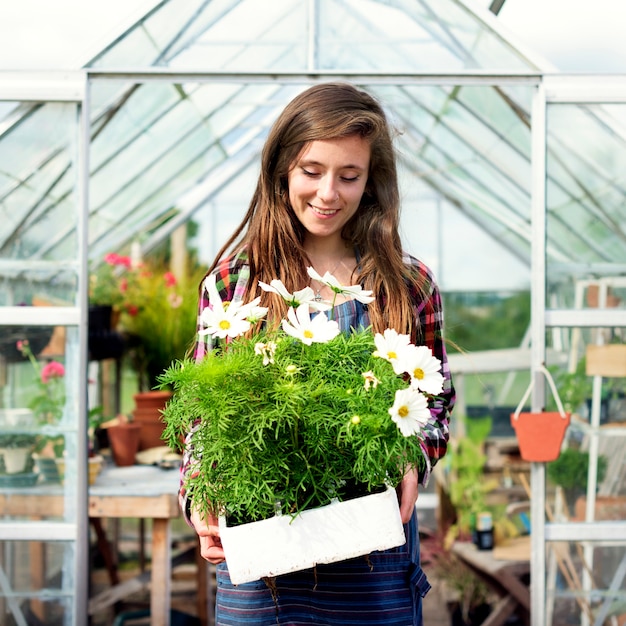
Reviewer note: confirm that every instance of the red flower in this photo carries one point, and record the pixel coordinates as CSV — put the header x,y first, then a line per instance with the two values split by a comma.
x,y
117,259
51,370
170,279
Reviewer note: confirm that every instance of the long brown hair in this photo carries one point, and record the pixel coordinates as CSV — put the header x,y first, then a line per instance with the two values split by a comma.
x,y
271,234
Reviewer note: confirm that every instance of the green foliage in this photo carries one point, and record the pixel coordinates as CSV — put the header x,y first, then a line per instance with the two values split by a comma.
x,y
467,485
570,469
159,314
486,323
299,431
16,440
574,387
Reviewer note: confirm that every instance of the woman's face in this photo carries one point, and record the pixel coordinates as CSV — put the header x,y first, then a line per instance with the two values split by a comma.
x,y
326,183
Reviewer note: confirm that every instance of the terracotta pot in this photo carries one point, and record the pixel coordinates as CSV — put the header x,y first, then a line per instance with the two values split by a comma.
x,y
149,405
124,442
540,435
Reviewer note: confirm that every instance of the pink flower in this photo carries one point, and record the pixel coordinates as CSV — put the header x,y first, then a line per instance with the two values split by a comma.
x,y
22,345
117,259
51,370
170,279
175,300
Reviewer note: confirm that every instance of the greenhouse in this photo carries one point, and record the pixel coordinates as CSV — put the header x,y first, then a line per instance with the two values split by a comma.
x,y
513,184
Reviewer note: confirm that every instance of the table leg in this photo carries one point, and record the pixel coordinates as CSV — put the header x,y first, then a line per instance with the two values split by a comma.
x,y
160,587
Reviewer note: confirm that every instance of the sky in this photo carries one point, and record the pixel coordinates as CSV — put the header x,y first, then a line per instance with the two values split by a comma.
x,y
573,35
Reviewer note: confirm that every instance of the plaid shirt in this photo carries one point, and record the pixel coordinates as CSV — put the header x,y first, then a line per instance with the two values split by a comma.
x,y
232,275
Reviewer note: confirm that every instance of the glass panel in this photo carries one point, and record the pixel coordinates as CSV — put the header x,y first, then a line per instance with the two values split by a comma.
x,y
37,202
586,181
47,284
573,597
410,36
39,390
356,34
36,577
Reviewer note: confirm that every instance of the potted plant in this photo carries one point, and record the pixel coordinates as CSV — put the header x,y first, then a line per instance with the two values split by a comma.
x,y
123,434
47,404
469,601
467,486
296,423
158,319
570,472
158,316
16,450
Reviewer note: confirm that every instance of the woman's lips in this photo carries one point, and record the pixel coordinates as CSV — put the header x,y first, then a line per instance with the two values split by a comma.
x,y
323,212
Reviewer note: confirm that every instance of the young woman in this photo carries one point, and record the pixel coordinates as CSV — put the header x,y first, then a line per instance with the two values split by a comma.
x,y
327,197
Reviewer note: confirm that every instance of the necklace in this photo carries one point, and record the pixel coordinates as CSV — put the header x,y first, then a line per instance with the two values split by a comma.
x,y
318,294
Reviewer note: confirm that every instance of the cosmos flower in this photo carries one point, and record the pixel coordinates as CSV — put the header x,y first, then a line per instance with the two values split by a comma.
x,y
318,329
392,347
227,319
370,380
410,411
266,350
424,370
353,291
295,299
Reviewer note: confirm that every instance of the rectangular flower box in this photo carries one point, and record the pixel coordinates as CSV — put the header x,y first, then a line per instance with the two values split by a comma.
x,y
335,532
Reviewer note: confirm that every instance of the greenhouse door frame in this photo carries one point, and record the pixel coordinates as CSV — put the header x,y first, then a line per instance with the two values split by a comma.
x,y
558,89
66,88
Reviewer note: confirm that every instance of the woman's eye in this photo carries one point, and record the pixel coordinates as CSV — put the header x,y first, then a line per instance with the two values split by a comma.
x,y
308,173
350,179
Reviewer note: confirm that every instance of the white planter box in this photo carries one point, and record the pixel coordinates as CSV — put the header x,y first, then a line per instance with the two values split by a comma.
x,y
338,531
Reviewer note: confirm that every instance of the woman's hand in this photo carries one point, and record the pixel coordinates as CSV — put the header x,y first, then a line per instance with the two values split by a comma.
x,y
408,495
209,534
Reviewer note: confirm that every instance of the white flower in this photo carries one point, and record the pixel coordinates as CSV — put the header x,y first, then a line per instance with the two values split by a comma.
x,y
370,380
266,350
354,291
295,299
424,369
318,330
410,411
227,319
392,347
223,322
252,312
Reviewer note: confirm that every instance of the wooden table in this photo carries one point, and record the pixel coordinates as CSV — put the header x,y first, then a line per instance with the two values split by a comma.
x,y
508,578
140,492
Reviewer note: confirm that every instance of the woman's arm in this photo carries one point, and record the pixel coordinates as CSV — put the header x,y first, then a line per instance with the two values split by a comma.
x,y
429,311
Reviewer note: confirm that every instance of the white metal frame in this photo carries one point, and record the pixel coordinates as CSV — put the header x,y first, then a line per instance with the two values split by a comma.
x,y
68,87
559,90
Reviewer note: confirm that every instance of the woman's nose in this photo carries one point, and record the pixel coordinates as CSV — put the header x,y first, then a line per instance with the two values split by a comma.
x,y
327,190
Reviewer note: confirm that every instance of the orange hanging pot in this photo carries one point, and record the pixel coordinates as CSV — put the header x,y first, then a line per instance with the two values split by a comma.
x,y
540,435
